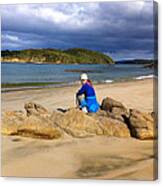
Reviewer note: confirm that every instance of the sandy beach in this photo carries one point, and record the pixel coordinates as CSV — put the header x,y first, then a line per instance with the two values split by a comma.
x,y
133,94
96,157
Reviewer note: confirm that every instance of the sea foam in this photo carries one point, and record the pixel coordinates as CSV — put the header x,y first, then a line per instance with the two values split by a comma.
x,y
145,77
108,81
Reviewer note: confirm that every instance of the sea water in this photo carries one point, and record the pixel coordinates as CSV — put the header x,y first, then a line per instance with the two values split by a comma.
x,y
69,74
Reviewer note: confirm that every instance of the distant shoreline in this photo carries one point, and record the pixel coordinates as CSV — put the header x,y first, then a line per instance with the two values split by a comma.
x,y
147,63
50,63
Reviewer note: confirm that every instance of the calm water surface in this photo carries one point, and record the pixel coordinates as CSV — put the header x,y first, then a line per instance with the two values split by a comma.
x,y
22,73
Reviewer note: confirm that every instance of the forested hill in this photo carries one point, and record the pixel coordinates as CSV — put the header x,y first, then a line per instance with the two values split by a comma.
x,y
70,56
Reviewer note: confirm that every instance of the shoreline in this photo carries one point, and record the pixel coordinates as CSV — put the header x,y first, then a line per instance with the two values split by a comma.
x,y
135,94
13,87
51,63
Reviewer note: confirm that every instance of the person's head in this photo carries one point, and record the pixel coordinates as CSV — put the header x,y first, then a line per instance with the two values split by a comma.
x,y
83,78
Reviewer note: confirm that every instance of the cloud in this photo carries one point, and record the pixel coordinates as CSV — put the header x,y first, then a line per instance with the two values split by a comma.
x,y
10,37
104,26
130,54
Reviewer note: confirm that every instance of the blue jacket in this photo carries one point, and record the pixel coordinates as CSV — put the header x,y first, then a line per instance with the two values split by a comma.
x,y
90,97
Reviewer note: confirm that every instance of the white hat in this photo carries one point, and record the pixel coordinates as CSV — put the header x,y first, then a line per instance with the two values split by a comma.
x,y
84,77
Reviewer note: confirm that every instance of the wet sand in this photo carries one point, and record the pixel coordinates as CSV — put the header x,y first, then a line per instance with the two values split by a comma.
x,y
96,157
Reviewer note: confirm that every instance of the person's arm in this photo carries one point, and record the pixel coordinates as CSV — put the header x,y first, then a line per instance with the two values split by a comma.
x,y
81,91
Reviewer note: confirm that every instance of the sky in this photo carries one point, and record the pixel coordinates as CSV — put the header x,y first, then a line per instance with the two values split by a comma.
x,y
123,30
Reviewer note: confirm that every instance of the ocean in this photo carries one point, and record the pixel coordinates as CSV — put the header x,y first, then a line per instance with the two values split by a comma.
x,y
62,74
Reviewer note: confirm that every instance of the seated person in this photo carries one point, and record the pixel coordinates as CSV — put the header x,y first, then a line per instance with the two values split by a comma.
x,y
86,97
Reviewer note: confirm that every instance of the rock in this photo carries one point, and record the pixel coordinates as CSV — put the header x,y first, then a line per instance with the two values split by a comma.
x,y
11,120
114,109
119,111
78,124
36,126
99,113
108,114
35,109
56,116
141,125
113,127
39,127
113,120
108,104
110,125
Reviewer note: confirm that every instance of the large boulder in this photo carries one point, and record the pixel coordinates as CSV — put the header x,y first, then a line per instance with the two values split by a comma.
x,y
114,109
33,125
39,127
108,104
113,127
141,125
78,124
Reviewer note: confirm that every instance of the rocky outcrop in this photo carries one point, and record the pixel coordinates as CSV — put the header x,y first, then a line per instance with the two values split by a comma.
x,y
141,125
31,125
77,124
112,120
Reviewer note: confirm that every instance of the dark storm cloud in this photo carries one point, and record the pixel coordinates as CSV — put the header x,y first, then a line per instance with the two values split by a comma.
x,y
120,29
